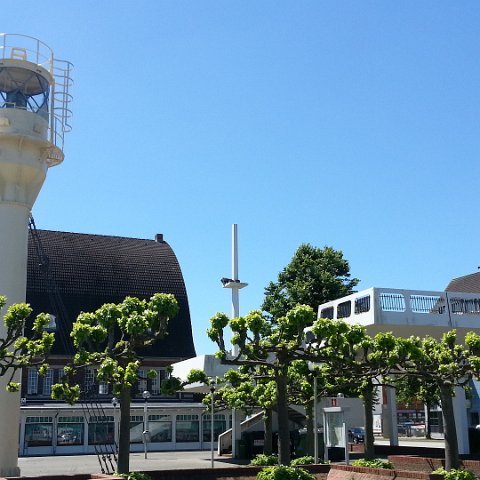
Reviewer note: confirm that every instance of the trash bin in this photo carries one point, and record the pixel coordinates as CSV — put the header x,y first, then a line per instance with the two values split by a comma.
x,y
301,449
242,449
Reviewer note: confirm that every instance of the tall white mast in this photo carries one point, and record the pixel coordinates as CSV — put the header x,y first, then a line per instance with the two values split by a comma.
x,y
234,283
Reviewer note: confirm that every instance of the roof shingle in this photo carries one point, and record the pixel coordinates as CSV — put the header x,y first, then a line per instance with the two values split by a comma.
x,y
90,270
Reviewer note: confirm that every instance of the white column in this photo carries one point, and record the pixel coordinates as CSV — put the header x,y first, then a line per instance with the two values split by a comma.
x,y
236,431
13,278
461,420
23,169
13,253
391,415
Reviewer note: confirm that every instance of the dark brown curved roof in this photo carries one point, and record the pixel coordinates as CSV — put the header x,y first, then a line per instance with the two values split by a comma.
x,y
468,284
85,271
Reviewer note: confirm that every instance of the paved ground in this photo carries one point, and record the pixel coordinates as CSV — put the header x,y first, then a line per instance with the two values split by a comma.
x,y
36,466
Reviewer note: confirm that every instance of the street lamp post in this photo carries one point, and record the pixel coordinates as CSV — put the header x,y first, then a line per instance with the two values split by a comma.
x,y
212,406
146,433
115,422
311,367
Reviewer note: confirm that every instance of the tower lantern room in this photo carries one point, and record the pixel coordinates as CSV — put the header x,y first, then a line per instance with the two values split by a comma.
x,y
34,117
34,93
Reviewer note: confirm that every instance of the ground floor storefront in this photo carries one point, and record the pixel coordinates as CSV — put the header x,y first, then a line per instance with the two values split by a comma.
x,y
58,429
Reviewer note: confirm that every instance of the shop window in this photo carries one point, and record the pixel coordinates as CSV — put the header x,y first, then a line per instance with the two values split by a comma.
x,y
160,427
187,428
70,430
219,426
38,431
101,430
136,428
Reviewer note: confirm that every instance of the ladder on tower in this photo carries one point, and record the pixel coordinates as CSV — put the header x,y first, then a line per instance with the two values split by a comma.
x,y
91,407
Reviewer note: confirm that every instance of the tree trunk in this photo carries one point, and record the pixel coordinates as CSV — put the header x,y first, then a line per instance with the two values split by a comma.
x,y
267,437
283,429
369,437
452,458
123,465
310,434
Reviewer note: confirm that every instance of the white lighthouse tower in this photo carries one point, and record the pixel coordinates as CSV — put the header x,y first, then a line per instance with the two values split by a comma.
x,y
34,117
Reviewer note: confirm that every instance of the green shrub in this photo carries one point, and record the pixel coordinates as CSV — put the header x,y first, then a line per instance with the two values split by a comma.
x,y
375,463
454,474
302,461
281,472
135,476
263,460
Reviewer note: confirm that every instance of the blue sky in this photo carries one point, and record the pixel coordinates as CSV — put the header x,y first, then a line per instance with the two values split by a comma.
x,y
353,124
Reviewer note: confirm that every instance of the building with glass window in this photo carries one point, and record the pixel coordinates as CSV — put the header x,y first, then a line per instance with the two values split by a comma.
x,y
420,313
71,272
60,429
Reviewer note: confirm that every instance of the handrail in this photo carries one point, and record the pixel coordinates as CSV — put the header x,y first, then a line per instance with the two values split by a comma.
x,y
40,53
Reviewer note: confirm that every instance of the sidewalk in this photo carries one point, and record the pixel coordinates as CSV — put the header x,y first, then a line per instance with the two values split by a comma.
x,y
172,460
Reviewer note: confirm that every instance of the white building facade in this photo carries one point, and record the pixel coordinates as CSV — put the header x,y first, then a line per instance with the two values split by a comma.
x,y
412,312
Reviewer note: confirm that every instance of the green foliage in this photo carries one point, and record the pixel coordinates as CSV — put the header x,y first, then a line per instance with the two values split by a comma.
x,y
313,276
196,375
281,472
19,351
267,355
109,339
264,460
455,474
13,387
68,393
135,476
410,388
375,463
152,374
170,386
302,461
138,324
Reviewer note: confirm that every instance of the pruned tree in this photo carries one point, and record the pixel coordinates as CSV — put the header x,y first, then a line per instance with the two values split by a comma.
x,y
249,389
350,356
274,346
313,276
264,345
447,364
18,350
301,392
109,339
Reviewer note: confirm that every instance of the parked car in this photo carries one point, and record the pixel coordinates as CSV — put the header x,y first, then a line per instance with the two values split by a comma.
x,y
356,435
